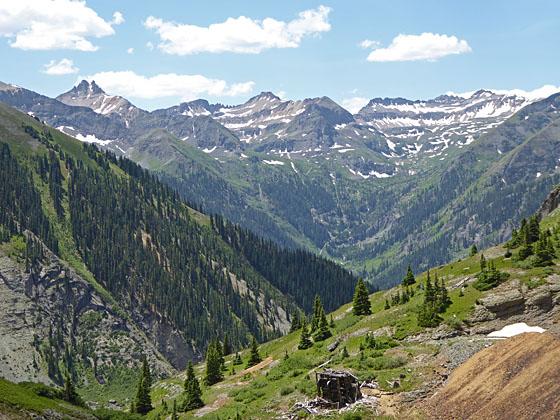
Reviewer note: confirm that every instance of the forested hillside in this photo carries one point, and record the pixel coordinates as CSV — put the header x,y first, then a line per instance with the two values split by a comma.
x,y
158,262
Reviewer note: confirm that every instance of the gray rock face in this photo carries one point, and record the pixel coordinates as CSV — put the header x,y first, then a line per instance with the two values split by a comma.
x,y
55,304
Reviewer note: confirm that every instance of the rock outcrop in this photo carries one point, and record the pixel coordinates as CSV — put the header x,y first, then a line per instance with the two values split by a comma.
x,y
51,318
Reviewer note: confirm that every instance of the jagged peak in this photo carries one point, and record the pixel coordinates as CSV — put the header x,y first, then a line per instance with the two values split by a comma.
x,y
265,95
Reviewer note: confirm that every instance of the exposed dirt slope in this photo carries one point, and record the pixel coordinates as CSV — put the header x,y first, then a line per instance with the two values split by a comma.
x,y
518,378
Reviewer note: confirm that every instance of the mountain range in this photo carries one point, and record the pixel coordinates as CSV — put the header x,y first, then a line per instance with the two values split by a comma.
x,y
400,182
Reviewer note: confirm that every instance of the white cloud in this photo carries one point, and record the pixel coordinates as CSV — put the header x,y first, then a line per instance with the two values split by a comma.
x,y
281,94
54,24
184,86
130,50
149,45
368,43
354,104
60,68
427,46
533,95
239,35
118,18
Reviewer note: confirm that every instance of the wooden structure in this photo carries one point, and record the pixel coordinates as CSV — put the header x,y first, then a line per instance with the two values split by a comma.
x,y
338,388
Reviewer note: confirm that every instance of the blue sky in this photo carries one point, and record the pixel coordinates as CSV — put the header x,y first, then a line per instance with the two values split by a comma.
x,y
294,48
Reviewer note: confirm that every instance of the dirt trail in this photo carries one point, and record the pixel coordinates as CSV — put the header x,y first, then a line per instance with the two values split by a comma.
x,y
219,402
518,378
257,367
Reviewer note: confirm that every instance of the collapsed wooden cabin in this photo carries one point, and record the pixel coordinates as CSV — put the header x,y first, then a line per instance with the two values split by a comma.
x,y
338,387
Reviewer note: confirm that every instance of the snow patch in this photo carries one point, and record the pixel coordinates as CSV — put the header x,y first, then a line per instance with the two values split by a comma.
x,y
515,329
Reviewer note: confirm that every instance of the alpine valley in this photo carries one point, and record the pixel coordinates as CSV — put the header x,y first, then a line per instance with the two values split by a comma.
x,y
400,182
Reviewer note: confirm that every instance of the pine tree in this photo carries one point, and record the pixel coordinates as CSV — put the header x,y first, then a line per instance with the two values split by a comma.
x,y
237,361
482,262
409,279
296,322
428,313
213,365
193,394
143,403
387,306
254,356
323,331
70,393
361,303
544,251
317,305
226,346
304,341
344,353
473,251
331,322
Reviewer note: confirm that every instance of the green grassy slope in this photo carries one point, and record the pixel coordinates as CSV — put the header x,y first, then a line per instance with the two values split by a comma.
x,y
282,381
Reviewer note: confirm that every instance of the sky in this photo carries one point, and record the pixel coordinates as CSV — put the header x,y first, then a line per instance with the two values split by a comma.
x,y
159,53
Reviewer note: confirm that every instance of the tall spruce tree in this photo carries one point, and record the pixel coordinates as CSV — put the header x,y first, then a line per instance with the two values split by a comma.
x,y
428,311
317,305
323,332
409,279
226,346
193,393
69,393
361,303
213,364
143,402
304,340
254,356
296,322
473,251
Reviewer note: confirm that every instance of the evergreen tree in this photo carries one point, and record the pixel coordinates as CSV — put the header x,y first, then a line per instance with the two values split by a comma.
x,y
70,393
237,360
323,331
544,251
387,306
361,303
304,341
474,250
442,300
254,356
331,322
193,394
213,365
226,346
482,262
143,402
344,353
428,313
296,322
317,306
409,279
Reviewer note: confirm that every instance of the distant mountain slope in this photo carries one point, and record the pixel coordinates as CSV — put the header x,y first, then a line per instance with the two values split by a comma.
x,y
400,182
132,265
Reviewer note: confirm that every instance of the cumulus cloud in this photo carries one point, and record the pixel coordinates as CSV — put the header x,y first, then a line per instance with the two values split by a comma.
x,y
130,50
184,86
427,46
239,35
354,104
54,24
60,68
118,18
